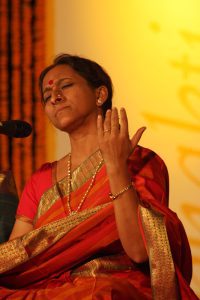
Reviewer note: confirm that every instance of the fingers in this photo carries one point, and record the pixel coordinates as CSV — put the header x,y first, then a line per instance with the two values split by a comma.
x,y
111,122
124,122
111,126
107,122
100,126
137,136
114,121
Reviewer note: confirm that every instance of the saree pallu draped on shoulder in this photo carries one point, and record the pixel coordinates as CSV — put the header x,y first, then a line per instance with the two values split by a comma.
x,y
80,256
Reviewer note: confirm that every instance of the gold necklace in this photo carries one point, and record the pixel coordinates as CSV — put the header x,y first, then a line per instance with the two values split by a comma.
x,y
71,212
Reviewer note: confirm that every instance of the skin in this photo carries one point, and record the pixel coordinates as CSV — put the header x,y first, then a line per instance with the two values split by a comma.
x,y
72,106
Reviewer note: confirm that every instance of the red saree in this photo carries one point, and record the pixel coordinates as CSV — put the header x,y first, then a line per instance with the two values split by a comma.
x,y
80,256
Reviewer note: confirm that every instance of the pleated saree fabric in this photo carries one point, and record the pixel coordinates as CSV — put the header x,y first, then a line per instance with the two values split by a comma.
x,y
79,256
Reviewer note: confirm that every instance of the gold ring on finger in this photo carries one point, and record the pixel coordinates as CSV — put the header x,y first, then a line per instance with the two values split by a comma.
x,y
107,130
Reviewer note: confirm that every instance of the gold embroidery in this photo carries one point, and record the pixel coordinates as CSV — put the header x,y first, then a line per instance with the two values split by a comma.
x,y
163,277
85,171
79,176
47,200
24,219
103,265
17,251
12,253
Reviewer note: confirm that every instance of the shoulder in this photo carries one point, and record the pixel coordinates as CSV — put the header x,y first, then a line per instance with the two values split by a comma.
x,y
43,171
39,182
41,179
142,157
149,174
44,167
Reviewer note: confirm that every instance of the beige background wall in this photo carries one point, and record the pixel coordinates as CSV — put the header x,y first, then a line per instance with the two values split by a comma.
x,y
151,50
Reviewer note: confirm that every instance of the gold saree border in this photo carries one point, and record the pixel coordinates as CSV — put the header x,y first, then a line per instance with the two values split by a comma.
x,y
163,276
79,177
12,253
83,172
20,250
46,201
102,266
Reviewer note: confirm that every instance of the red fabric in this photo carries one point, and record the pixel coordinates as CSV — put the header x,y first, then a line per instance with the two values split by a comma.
x,y
47,276
51,269
34,189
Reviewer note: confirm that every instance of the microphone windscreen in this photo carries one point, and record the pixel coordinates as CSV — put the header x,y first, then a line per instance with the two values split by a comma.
x,y
15,128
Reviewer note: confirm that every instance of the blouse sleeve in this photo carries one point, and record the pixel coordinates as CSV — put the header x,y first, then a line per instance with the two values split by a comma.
x,y
40,181
150,176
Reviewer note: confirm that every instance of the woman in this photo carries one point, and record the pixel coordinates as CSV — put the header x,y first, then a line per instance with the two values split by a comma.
x,y
89,225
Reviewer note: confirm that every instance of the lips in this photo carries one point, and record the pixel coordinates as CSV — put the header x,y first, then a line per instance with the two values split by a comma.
x,y
61,109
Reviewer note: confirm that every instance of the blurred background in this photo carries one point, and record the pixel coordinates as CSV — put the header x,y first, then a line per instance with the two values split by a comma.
x,y
151,51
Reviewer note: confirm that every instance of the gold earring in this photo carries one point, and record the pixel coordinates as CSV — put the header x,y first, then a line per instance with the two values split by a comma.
x,y
99,101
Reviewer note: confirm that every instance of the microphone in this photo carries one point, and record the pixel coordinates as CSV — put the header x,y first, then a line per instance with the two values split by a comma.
x,y
15,128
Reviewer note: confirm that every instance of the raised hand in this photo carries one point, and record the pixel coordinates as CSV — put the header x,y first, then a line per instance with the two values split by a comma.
x,y
137,136
116,146
113,137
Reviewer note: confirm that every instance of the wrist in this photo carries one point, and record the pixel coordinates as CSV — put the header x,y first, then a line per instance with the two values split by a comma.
x,y
119,180
121,192
117,169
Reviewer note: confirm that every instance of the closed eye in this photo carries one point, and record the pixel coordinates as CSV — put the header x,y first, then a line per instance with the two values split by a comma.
x,y
64,86
46,98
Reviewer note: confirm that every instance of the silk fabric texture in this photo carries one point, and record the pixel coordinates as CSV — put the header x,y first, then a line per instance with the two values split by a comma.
x,y
80,256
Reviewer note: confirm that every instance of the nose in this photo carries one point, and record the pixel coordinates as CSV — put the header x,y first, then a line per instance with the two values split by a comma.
x,y
56,96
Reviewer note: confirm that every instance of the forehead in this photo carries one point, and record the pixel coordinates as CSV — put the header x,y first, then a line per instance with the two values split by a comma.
x,y
58,72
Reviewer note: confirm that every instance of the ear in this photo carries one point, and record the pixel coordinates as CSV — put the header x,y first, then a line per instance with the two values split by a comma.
x,y
101,95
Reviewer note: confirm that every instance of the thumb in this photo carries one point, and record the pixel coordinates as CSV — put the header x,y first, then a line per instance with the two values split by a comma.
x,y
137,136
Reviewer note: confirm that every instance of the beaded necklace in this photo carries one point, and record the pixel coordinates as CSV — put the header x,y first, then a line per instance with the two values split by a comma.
x,y
71,212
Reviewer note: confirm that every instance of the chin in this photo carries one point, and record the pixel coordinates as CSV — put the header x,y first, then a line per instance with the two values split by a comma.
x,y
68,125
62,124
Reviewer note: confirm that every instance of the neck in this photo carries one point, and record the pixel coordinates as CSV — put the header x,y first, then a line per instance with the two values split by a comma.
x,y
82,146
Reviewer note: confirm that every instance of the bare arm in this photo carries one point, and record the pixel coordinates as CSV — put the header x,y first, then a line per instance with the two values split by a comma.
x,y
126,215
20,228
115,145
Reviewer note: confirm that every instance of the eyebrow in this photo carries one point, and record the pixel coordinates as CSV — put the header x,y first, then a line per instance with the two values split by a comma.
x,y
48,87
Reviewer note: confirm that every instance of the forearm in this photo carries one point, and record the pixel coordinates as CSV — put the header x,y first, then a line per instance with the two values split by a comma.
x,y
20,228
126,215
116,146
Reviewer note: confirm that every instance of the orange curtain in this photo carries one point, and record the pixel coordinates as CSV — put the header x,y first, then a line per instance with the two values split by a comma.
x,y
22,57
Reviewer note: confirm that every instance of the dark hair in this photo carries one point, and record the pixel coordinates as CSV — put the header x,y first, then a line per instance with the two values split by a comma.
x,y
92,72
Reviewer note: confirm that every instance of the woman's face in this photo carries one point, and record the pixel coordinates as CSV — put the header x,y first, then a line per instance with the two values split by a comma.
x,y
69,101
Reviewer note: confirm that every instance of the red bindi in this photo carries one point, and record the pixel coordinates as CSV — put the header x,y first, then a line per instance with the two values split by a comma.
x,y
50,82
